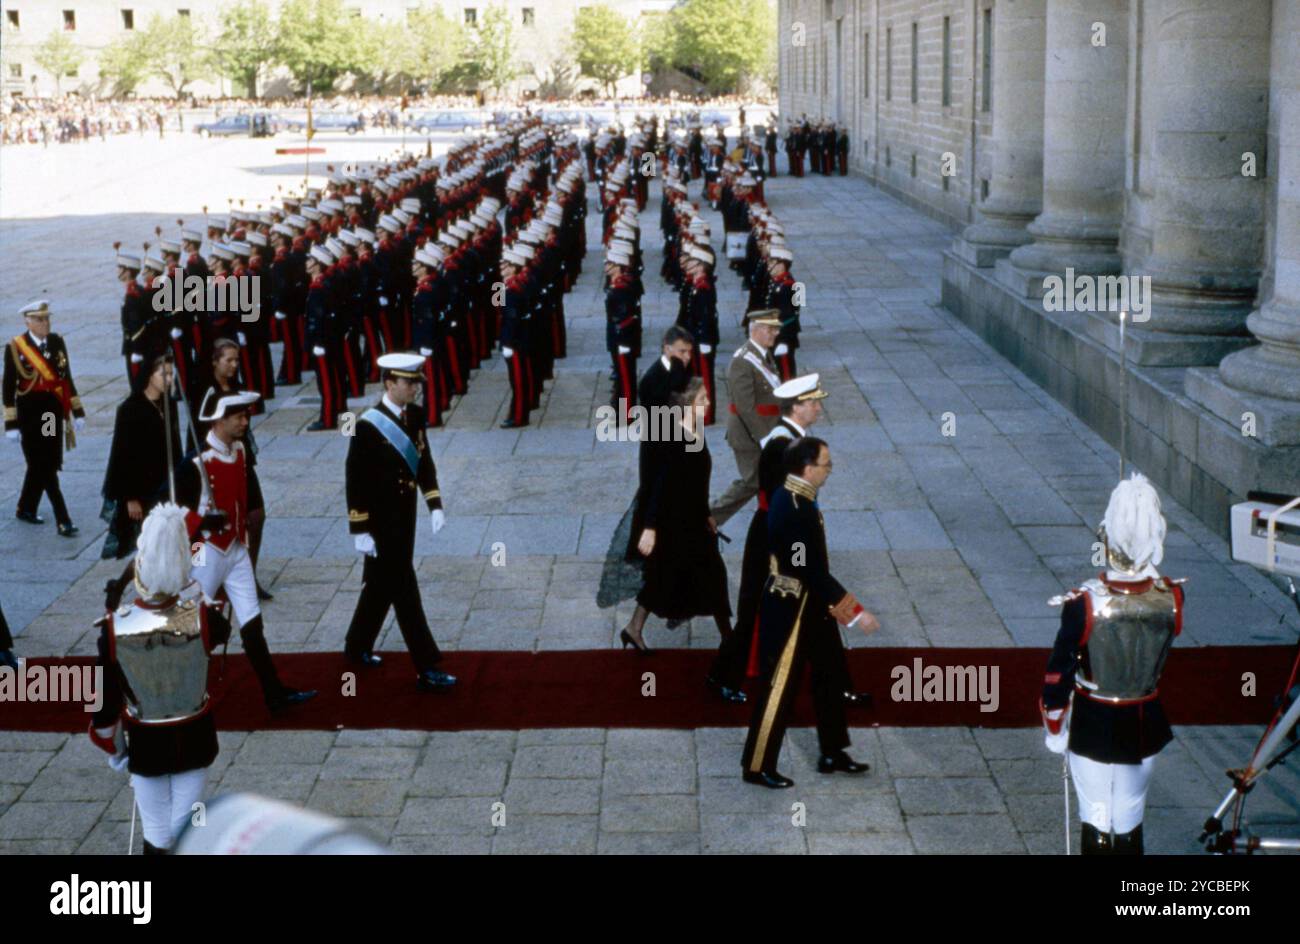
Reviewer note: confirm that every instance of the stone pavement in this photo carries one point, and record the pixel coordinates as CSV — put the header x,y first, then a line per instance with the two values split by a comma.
x,y
963,497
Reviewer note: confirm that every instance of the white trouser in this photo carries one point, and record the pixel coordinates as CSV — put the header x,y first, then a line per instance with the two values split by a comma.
x,y
1112,797
167,802
232,571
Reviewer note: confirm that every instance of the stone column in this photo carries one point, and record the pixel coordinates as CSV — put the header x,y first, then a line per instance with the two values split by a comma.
x,y
1210,100
1272,369
1085,101
1016,184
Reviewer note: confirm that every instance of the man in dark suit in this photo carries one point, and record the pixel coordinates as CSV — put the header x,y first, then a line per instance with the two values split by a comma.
x,y
801,605
388,463
41,411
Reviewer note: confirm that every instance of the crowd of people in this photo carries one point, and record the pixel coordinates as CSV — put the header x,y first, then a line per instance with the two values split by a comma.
x,y
409,275
72,118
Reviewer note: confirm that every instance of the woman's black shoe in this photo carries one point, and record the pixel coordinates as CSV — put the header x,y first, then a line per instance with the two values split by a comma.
x,y
640,647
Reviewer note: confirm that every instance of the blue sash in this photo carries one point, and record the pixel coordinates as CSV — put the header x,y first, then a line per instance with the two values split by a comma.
x,y
395,435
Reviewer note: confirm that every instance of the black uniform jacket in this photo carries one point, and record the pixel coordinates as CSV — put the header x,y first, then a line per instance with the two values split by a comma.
x,y
381,488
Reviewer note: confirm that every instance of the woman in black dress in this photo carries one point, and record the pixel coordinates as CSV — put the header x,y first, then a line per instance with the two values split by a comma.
x,y
684,572
225,380
139,460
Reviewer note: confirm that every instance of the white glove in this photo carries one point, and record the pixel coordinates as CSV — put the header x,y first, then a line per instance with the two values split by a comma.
x,y
177,333
14,435
624,350
426,352
781,349
280,316
507,352
318,351
364,543
453,324
437,519
137,358
383,299
706,348
241,338
79,423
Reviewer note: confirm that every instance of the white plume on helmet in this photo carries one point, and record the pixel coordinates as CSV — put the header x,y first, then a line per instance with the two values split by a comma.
x,y
162,564
1133,523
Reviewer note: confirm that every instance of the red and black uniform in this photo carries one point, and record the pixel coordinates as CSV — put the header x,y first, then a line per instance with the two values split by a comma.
x,y
701,320
515,338
623,330
424,326
780,295
321,335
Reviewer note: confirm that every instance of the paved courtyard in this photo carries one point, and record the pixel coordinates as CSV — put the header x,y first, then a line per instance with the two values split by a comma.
x,y
963,497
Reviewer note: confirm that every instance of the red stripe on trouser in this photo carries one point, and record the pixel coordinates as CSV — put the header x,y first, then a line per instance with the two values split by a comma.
x,y
519,391
196,335
626,393
246,368
327,383
275,330
355,387
558,334
453,362
386,330
182,363
291,363
266,383
705,371
432,413
372,350
785,363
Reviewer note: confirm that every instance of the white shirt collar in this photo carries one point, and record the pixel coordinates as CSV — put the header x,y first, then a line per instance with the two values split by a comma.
x,y
393,407
37,342
762,351
668,365
217,445
802,432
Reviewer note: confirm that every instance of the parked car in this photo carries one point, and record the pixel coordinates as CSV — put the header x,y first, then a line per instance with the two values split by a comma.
x,y
326,121
463,120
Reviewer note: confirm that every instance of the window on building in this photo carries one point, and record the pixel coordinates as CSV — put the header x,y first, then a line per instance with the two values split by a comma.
x,y
913,163
984,188
183,11
15,70
866,65
947,60
530,16
889,156
128,19
889,68
471,16
915,59
826,65
986,66
69,20
11,17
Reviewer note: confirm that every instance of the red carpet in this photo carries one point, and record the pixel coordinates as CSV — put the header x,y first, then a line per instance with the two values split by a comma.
x,y
603,689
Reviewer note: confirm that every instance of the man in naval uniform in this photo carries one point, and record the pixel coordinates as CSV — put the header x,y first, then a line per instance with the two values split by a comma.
x,y
42,410
388,463
751,379
1100,701
801,605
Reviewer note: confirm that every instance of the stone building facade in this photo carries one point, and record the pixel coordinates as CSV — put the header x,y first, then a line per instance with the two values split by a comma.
x,y
541,32
1129,144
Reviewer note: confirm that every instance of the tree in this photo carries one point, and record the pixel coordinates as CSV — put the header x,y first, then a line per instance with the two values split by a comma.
x,y
59,55
124,64
246,43
491,50
316,41
605,45
724,42
175,51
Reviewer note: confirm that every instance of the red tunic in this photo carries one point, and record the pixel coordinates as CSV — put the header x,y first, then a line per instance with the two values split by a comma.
x,y
225,486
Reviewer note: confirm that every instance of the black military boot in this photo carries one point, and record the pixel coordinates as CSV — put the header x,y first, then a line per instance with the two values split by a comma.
x,y
151,849
1093,841
1129,843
